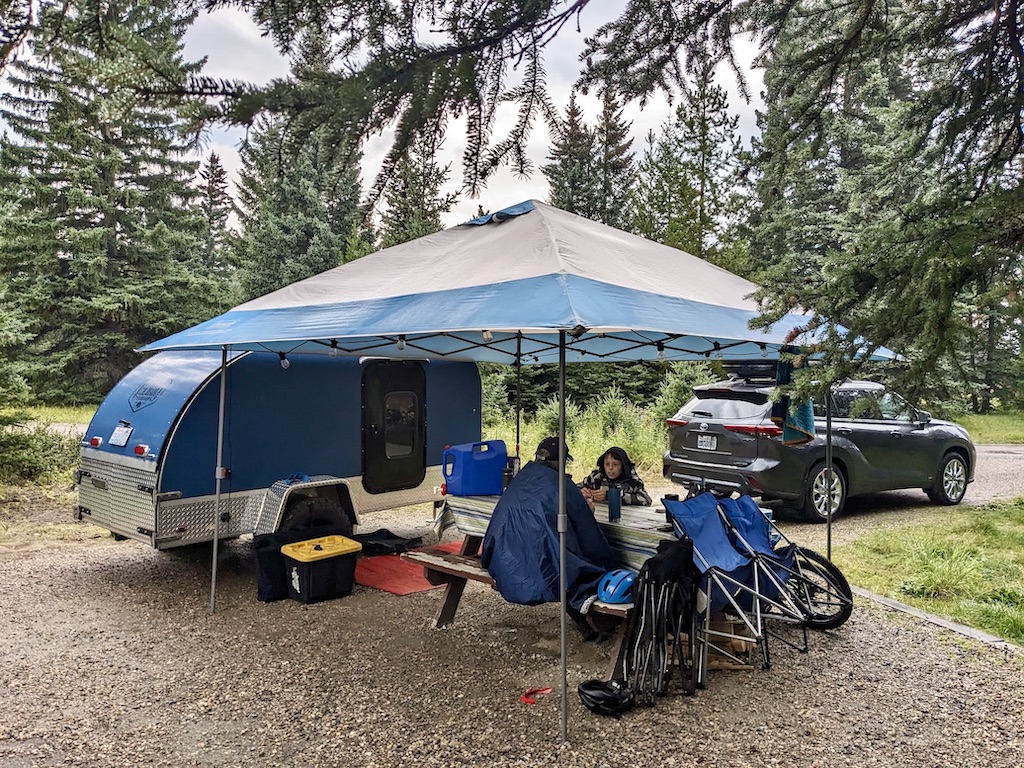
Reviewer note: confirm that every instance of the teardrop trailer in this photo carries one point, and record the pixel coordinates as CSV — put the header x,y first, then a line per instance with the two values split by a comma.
x,y
358,435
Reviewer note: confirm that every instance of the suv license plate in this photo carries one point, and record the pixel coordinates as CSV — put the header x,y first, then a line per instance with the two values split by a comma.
x,y
707,442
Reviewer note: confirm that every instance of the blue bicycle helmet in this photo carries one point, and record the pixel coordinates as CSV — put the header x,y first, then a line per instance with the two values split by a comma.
x,y
616,586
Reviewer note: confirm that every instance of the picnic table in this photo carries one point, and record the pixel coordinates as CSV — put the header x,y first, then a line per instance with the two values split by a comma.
x,y
635,536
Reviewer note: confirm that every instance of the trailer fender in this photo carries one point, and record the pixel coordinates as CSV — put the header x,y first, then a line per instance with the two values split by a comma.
x,y
282,504
315,511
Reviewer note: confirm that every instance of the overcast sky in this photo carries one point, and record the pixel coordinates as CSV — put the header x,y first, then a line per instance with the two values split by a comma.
x,y
235,50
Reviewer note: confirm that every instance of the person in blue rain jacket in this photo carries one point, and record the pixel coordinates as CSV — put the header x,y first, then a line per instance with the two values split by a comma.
x,y
521,546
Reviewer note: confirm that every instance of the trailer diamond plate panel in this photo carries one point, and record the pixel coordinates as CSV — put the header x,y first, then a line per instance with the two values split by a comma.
x,y
116,494
191,521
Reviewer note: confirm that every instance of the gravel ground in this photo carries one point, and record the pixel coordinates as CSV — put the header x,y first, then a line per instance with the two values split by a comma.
x,y
109,656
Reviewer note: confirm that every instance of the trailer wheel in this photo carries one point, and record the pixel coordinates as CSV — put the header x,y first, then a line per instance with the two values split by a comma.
x,y
314,512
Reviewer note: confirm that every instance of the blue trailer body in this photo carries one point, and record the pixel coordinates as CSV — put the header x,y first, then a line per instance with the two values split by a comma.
x,y
149,455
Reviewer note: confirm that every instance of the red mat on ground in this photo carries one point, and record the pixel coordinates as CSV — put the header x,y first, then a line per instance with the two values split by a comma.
x,y
391,573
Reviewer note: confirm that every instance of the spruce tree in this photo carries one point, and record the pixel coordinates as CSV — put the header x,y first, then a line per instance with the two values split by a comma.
x,y
359,242
291,227
662,205
102,251
685,194
863,223
298,195
414,200
708,145
217,207
614,164
572,173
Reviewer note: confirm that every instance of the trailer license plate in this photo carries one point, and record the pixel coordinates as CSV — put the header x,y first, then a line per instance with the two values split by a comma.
x,y
707,442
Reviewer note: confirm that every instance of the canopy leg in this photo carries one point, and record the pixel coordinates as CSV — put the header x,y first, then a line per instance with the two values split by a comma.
x,y
563,526
218,474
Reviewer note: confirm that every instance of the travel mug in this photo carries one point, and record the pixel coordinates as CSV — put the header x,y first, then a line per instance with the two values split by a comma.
x,y
614,503
669,497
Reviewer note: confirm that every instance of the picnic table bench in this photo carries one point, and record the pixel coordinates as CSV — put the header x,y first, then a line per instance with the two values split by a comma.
x,y
635,537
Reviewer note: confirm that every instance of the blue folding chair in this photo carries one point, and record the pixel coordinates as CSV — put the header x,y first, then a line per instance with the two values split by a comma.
x,y
750,531
807,581
730,582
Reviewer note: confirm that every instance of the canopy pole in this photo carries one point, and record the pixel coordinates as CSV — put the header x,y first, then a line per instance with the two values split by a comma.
x,y
519,385
218,474
828,470
563,527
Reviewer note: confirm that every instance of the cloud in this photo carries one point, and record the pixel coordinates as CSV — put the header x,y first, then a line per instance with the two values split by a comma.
x,y
234,48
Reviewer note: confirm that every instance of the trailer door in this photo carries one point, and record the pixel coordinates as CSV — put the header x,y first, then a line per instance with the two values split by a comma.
x,y
394,425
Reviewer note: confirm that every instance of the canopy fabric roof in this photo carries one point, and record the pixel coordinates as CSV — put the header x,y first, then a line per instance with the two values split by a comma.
x,y
467,293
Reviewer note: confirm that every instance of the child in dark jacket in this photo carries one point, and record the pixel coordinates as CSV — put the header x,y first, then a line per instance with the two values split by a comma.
x,y
615,468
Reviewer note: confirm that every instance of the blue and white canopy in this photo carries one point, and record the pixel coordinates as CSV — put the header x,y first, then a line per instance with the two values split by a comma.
x,y
518,277
508,286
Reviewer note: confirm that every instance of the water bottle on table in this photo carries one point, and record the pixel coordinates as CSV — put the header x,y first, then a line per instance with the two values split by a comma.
x,y
614,503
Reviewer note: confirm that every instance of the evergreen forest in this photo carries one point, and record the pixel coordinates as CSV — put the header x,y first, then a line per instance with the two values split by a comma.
x,y
882,191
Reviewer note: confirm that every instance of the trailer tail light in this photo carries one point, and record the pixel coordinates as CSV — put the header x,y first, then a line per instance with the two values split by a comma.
x,y
141,450
444,489
96,442
758,430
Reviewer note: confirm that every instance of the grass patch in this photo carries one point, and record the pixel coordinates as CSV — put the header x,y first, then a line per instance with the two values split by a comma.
x,y
71,414
967,566
994,427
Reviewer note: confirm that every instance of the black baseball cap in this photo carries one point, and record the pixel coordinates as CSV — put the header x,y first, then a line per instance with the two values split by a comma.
x,y
549,448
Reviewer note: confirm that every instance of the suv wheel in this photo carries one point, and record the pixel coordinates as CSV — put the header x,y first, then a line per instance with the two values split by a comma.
x,y
950,482
816,496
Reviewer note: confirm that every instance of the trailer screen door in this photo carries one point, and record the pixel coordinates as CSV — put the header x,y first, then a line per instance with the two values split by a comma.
x,y
394,426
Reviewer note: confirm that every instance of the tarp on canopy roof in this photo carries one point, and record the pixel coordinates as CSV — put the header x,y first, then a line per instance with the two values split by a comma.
x,y
530,269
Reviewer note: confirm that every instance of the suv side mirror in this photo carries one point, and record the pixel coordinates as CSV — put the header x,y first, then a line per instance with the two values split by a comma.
x,y
924,417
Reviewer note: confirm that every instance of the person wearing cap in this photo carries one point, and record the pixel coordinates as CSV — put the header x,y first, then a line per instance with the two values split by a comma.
x,y
521,545
614,468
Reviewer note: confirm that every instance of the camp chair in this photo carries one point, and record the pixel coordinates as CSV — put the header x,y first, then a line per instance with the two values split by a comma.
x,y
662,617
750,531
730,582
811,581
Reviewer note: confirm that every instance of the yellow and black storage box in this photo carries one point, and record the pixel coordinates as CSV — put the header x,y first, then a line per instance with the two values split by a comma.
x,y
320,569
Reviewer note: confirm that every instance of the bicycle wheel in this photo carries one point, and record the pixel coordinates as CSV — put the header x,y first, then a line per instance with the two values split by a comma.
x,y
822,590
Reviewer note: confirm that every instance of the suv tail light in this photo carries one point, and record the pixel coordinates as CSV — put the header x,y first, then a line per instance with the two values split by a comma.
x,y
676,422
758,430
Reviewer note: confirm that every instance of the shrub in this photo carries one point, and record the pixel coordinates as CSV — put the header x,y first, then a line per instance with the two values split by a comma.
x,y
547,419
33,452
494,406
677,388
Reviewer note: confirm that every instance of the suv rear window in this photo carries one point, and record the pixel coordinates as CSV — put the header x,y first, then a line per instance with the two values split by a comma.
x,y
714,406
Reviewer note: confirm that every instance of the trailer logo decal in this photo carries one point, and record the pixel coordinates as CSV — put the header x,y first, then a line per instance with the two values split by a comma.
x,y
147,394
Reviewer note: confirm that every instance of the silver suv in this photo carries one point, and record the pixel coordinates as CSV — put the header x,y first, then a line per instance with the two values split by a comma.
x,y
725,440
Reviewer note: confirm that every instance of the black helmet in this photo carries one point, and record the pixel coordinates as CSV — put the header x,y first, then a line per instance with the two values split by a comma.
x,y
611,697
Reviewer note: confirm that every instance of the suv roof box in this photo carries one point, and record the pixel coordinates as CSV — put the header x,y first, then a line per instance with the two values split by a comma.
x,y
751,370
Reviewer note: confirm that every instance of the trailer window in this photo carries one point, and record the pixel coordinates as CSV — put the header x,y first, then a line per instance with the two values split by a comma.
x,y
402,417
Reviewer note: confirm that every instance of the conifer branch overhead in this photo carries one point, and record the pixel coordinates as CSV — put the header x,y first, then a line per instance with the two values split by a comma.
x,y
413,64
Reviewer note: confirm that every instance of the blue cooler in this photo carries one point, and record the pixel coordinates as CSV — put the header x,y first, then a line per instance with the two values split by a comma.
x,y
475,469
